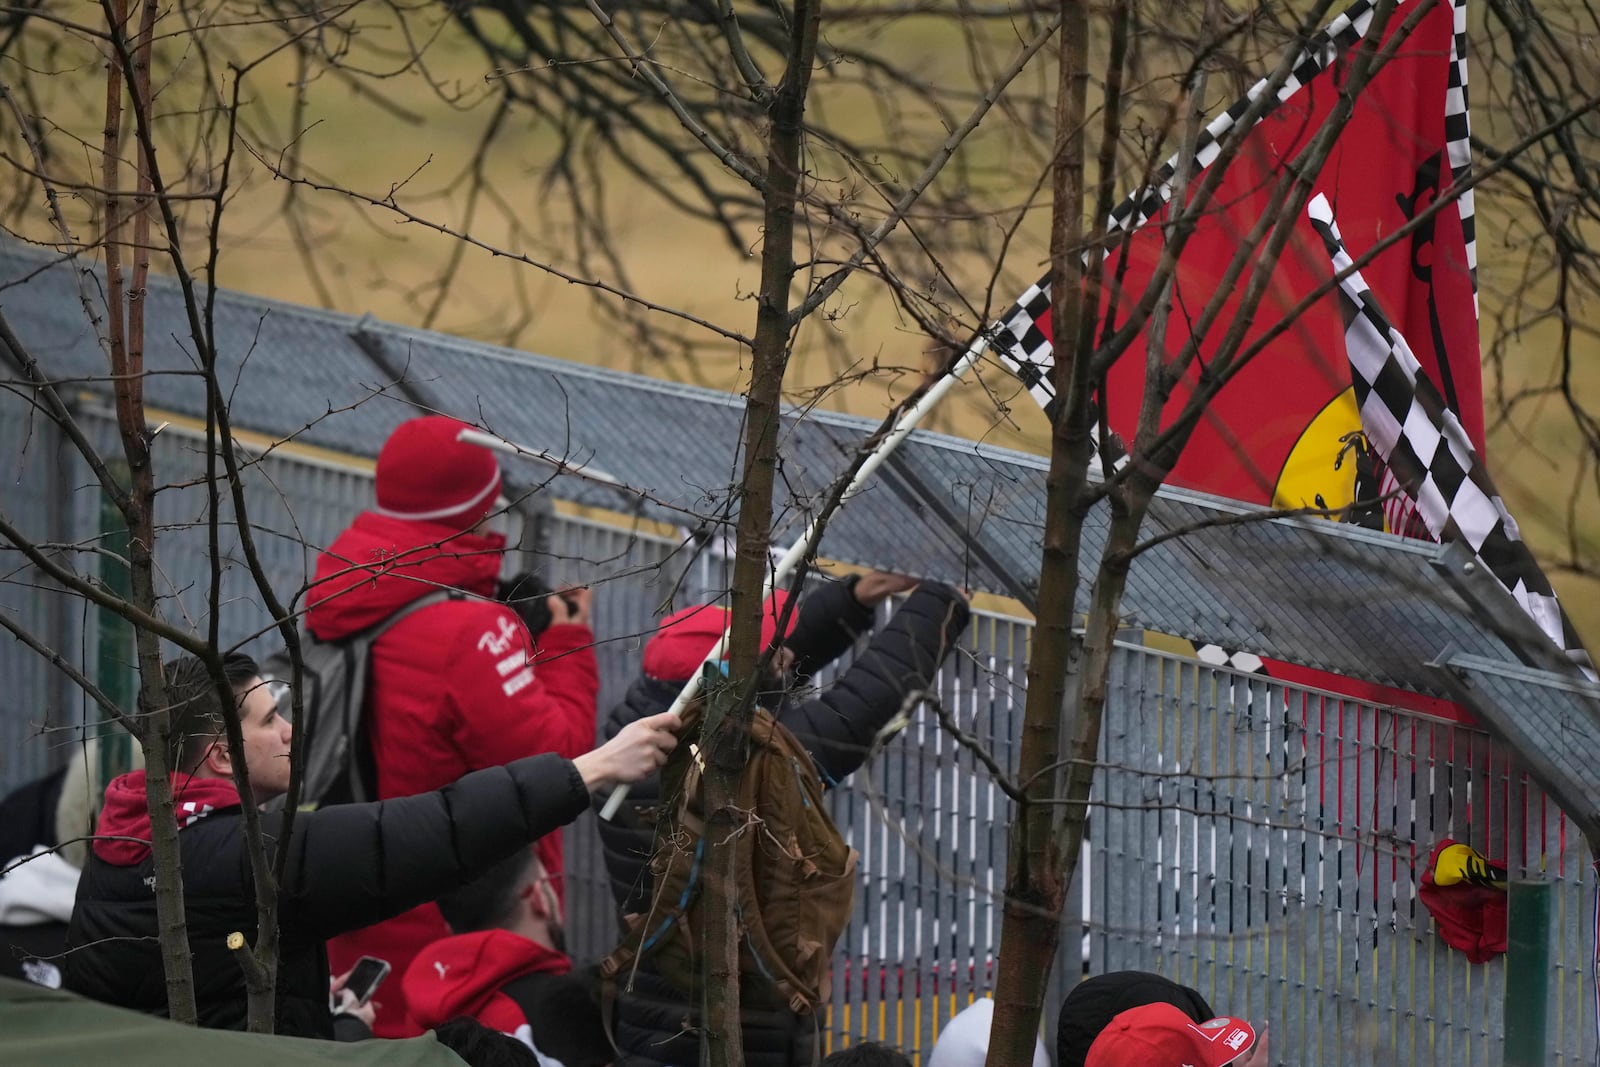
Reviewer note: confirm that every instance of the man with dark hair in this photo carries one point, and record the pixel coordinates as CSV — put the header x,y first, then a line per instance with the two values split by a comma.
x,y
655,1022
505,967
515,896
867,1054
348,866
195,713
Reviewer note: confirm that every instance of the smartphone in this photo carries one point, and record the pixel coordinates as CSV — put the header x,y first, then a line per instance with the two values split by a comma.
x,y
365,977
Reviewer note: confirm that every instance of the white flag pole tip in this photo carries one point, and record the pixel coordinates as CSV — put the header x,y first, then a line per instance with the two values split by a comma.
x,y
500,444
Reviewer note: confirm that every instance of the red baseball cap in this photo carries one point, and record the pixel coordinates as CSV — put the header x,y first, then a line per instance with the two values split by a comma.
x,y
1161,1035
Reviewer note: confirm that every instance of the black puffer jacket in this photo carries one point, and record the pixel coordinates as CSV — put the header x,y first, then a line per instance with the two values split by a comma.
x,y
653,1024
349,866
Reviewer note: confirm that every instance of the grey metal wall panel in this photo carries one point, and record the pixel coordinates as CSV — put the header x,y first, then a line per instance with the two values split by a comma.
x,y
38,706
1326,817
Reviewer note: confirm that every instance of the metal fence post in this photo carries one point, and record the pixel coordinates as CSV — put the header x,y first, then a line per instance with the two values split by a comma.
x,y
116,666
1528,961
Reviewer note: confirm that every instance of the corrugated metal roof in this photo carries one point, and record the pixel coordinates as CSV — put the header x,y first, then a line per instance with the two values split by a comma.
x,y
1333,597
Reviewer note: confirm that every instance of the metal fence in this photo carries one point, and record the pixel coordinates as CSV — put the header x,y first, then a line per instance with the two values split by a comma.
x,y
1258,841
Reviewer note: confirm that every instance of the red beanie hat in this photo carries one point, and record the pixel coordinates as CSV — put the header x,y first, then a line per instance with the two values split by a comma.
x,y
686,637
426,473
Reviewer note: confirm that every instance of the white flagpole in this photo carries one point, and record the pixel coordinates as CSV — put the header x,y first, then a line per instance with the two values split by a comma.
x,y
791,559
500,444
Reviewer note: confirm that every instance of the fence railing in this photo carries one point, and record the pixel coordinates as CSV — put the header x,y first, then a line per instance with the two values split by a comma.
x,y
1260,842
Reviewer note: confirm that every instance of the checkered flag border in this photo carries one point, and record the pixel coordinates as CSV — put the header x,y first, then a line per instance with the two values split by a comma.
x,y
1458,141
1428,452
1231,658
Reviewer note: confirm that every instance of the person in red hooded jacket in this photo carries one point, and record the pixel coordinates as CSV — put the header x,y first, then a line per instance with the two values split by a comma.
x,y
459,685
506,966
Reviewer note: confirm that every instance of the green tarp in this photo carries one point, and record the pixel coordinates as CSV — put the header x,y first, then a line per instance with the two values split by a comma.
x,y
42,1027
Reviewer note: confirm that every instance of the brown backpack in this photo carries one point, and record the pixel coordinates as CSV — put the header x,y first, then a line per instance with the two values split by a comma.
x,y
795,886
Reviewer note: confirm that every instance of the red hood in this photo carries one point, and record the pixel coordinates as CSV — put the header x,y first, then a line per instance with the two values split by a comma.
x,y
379,565
685,638
127,815
461,975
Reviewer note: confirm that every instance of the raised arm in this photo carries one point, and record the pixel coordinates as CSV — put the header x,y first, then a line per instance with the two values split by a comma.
x,y
517,699
356,864
838,727
833,616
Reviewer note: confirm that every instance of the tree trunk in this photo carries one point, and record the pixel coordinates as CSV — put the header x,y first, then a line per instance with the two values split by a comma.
x,y
170,918
1100,634
153,700
1036,883
127,368
723,1042
722,1037
153,703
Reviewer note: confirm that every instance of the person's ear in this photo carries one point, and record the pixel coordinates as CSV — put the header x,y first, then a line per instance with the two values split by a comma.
x,y
217,759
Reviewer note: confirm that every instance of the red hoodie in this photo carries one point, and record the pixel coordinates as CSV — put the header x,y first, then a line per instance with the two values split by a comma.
x,y
462,975
453,688
124,823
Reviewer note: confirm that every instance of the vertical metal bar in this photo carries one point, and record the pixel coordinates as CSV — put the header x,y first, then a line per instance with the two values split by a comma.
x,y
1216,736
1527,1040
61,459
115,672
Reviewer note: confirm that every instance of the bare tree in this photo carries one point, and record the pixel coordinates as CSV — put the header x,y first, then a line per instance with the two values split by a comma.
x,y
749,121
1068,676
128,229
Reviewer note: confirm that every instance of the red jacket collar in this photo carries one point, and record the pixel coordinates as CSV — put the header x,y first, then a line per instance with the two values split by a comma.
x,y
126,814
379,565
460,975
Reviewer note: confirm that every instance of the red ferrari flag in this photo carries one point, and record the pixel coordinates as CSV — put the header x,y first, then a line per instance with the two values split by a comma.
x,y
1286,431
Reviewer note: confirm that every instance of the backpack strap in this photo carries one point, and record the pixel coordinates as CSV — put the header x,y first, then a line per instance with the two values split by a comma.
x,y
356,650
377,629
642,940
747,902
608,1014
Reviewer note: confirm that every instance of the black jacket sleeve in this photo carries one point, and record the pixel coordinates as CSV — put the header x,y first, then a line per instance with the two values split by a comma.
x,y
831,618
838,727
352,865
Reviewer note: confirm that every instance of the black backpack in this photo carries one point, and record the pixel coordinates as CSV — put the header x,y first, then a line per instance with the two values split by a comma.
x,y
336,757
